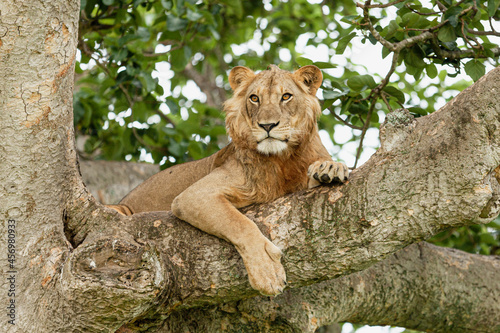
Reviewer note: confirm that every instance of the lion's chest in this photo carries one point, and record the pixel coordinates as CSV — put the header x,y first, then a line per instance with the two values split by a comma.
x,y
274,180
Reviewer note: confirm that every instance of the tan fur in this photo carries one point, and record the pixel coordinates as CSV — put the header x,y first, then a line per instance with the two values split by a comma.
x,y
275,149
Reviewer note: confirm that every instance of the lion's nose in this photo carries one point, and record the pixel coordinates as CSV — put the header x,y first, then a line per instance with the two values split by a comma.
x,y
269,127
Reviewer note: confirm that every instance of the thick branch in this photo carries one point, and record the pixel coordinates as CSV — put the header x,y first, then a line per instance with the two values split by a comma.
x,y
430,174
422,287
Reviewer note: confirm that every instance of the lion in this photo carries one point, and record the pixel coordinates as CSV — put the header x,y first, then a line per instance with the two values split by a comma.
x,y
275,149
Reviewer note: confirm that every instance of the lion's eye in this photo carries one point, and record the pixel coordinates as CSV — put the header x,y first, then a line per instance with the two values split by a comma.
x,y
254,98
286,97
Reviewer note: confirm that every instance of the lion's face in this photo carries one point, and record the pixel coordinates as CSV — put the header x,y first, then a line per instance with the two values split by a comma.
x,y
274,111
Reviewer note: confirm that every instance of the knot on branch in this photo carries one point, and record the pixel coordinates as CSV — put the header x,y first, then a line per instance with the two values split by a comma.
x,y
395,129
131,275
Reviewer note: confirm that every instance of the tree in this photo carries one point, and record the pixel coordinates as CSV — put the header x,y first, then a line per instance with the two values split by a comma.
x,y
76,266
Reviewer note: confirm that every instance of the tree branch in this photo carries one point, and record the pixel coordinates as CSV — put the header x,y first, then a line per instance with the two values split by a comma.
x,y
215,95
412,188
469,53
422,287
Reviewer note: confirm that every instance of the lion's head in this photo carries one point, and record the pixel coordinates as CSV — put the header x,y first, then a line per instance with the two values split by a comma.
x,y
274,111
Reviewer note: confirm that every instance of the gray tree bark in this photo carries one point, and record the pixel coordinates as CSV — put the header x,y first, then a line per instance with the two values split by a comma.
x,y
110,181
79,267
415,288
37,54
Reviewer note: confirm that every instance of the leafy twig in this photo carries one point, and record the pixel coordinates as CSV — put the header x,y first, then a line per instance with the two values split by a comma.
x,y
84,47
384,98
483,33
343,121
384,5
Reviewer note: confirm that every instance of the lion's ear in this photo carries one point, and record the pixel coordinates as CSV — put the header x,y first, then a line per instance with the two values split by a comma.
x,y
311,76
239,74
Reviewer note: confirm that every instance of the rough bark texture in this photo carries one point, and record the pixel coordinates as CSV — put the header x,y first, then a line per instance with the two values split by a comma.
x,y
415,186
82,268
414,288
37,54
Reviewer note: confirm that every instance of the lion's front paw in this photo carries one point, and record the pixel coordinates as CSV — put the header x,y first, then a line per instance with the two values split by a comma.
x,y
265,272
327,172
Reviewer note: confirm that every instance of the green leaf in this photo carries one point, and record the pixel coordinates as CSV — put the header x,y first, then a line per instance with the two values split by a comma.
x,y
431,70
350,19
385,52
148,82
356,121
324,65
143,34
442,75
327,103
409,19
195,149
139,111
172,105
452,15
108,2
175,23
193,16
180,57
78,111
303,61
488,49
415,57
418,111
169,131
149,140
372,39
214,32
392,28
361,82
87,116
487,238
166,4
358,108
138,2
475,69
493,6
447,34
394,92
343,42
334,94
120,55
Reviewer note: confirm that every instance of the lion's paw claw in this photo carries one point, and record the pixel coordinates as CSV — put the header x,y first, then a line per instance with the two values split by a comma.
x,y
327,172
265,272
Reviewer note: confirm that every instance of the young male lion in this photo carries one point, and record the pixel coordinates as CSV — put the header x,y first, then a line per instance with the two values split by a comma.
x,y
275,149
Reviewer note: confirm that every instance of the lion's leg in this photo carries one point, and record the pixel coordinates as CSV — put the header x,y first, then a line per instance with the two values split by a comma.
x,y
205,206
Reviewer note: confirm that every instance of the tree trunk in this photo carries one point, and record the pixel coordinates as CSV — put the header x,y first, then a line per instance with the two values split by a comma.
x,y
76,266
37,160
